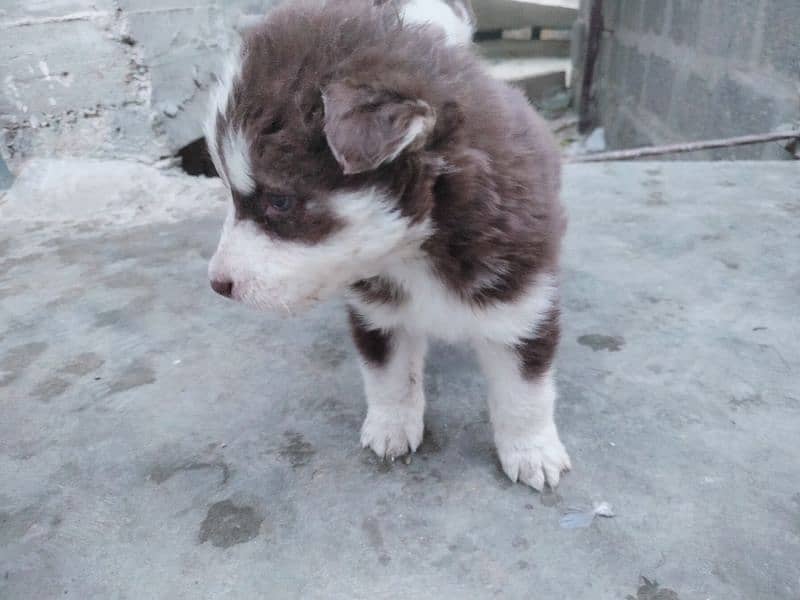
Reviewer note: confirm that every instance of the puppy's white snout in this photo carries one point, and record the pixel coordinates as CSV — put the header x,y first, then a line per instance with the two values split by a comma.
x,y
221,281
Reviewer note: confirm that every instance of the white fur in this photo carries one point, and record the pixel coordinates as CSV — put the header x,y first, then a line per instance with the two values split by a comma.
x,y
395,398
236,153
269,273
434,310
525,432
457,28
218,103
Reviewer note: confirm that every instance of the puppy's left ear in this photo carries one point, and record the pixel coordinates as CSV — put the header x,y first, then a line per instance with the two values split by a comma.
x,y
367,128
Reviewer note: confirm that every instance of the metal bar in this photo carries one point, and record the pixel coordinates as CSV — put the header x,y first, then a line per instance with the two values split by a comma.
x,y
634,153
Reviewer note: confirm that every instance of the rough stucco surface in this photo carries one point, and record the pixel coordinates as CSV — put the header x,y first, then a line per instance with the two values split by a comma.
x,y
157,441
110,78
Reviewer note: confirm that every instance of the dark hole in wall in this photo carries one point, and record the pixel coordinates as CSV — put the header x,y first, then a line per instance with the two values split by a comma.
x,y
195,159
487,34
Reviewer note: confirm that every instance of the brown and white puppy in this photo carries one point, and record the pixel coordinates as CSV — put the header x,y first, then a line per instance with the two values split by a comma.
x,y
367,150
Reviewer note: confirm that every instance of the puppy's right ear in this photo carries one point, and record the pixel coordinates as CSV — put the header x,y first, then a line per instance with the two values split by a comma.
x,y
367,128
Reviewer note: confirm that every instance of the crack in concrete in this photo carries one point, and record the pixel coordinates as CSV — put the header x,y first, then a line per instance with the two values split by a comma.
x,y
78,16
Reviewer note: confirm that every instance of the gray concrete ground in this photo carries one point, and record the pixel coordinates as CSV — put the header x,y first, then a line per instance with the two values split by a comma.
x,y
158,442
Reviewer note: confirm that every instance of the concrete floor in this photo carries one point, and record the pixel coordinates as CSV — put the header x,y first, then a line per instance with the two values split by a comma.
x,y
158,442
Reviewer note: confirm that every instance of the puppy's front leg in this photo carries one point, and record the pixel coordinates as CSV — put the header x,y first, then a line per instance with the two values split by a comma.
x,y
392,364
522,396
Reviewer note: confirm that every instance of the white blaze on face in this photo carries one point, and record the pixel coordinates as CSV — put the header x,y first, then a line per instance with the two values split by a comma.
x,y
456,24
236,156
218,105
269,273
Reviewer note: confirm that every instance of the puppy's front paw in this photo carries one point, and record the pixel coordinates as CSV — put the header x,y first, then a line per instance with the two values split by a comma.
x,y
392,432
534,459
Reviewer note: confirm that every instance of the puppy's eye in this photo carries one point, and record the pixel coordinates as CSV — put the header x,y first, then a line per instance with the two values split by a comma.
x,y
280,202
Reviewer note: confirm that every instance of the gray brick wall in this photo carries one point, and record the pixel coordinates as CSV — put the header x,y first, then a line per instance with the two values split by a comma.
x,y
685,70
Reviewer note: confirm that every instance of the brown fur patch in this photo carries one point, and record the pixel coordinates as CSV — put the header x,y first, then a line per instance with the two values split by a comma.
x,y
537,353
374,345
380,290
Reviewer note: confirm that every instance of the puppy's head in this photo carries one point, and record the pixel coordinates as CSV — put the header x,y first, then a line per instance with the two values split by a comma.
x,y
320,133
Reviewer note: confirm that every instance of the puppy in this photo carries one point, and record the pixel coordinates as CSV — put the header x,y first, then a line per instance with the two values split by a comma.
x,y
367,150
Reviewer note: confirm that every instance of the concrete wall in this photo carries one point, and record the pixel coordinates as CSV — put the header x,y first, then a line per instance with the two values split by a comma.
x,y
681,70
110,78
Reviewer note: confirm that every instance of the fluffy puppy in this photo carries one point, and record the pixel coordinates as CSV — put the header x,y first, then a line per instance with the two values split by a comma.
x,y
368,151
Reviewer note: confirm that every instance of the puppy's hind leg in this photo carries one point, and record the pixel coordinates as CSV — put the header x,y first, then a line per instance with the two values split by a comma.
x,y
392,363
522,395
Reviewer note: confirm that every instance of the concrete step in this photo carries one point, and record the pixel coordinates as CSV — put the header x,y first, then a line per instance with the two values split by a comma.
x,y
508,14
538,77
507,49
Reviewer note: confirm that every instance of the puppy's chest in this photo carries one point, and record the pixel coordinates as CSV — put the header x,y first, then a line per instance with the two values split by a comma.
x,y
412,297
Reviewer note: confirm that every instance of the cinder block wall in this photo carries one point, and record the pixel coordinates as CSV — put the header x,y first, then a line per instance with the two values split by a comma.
x,y
684,70
110,78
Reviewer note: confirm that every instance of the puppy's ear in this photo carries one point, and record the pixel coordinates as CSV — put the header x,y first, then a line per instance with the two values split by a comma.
x,y
366,128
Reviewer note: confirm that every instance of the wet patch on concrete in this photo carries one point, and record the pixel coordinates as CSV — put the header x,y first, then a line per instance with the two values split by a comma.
x,y
651,590
656,199
296,450
127,280
730,264
226,524
334,411
717,572
17,359
793,208
372,530
712,237
139,373
433,442
125,314
13,526
549,497
83,364
747,401
161,473
50,388
371,460
597,342
520,543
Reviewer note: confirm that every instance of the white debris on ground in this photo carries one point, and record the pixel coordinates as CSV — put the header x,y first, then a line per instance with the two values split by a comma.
x,y
576,518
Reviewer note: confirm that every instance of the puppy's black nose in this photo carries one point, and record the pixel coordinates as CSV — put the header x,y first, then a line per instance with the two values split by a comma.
x,y
223,288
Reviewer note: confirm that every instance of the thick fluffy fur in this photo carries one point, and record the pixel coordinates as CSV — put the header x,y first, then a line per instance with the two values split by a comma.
x,y
368,151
